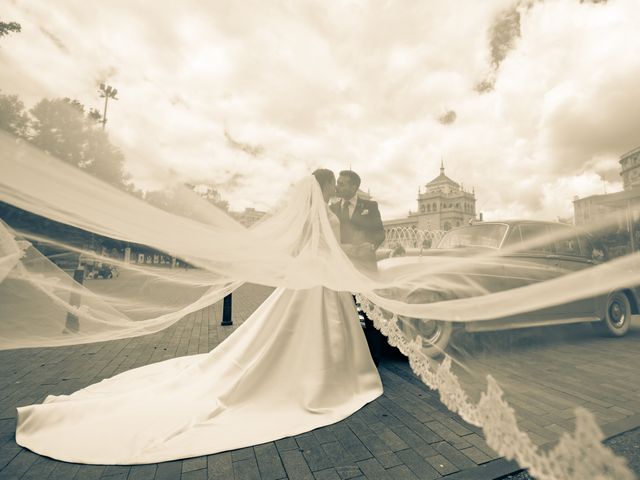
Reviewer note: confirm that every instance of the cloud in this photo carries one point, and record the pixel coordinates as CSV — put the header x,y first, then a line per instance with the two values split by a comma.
x,y
530,102
447,118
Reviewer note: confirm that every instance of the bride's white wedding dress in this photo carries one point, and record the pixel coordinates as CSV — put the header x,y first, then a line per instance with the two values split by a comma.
x,y
299,362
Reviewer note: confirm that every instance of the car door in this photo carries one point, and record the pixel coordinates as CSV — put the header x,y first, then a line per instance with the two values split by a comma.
x,y
538,257
572,255
529,259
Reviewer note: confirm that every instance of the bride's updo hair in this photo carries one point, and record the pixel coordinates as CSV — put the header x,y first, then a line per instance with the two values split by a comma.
x,y
324,176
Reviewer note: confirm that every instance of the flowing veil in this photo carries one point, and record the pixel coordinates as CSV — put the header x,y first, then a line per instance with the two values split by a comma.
x,y
293,247
527,349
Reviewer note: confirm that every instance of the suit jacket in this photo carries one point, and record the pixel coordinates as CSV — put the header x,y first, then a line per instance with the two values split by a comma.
x,y
364,225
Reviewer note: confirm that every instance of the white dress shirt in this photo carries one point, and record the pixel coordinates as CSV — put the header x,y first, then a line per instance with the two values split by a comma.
x,y
352,204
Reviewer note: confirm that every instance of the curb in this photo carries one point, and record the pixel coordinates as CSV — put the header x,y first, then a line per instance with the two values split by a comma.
x,y
499,468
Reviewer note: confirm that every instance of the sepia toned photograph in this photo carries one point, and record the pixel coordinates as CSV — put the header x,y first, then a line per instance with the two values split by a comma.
x,y
309,240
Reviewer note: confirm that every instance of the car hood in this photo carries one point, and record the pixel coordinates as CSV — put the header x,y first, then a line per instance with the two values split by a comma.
x,y
429,254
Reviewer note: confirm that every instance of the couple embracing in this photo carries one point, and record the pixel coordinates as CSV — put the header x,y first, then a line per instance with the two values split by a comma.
x,y
360,232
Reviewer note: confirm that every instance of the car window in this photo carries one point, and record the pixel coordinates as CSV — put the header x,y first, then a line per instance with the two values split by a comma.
x,y
484,235
567,245
533,237
566,241
514,238
591,249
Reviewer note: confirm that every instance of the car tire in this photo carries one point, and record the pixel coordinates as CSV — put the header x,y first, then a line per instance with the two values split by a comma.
x,y
435,334
436,344
617,316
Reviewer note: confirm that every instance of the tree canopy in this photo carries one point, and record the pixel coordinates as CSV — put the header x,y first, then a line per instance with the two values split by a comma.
x,y
7,27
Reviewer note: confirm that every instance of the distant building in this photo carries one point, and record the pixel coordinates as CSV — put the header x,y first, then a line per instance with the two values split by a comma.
x,y
248,217
599,208
444,205
630,165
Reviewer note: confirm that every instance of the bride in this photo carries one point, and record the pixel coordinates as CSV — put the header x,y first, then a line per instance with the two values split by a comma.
x,y
299,362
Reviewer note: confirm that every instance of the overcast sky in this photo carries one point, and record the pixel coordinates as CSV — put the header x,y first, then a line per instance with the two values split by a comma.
x,y
529,102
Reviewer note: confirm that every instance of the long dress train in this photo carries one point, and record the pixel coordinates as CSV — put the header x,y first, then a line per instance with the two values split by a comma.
x,y
299,362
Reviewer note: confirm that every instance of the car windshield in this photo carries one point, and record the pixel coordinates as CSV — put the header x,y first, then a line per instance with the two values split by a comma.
x,y
487,235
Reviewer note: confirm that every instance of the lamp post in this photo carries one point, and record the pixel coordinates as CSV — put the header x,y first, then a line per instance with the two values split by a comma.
x,y
107,92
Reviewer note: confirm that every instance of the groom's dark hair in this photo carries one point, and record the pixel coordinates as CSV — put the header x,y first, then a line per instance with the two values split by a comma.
x,y
323,176
353,177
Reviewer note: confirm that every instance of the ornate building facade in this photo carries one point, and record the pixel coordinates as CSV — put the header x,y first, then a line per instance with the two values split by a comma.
x,y
444,205
630,165
248,217
625,205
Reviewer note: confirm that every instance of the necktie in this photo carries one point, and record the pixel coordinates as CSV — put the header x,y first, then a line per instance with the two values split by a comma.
x,y
345,210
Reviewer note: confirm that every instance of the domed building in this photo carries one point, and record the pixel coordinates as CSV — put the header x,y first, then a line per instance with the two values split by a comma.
x,y
444,205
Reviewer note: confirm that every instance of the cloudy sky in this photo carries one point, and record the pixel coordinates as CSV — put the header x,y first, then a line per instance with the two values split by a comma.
x,y
530,102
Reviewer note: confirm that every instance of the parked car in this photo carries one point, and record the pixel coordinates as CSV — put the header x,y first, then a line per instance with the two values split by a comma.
x,y
106,271
530,252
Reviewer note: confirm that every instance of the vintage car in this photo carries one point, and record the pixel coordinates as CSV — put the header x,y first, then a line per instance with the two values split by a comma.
x,y
504,255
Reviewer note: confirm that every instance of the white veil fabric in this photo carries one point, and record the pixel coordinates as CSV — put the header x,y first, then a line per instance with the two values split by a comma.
x,y
292,247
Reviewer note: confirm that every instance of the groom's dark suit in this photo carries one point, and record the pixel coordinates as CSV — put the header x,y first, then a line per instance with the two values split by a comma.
x,y
363,225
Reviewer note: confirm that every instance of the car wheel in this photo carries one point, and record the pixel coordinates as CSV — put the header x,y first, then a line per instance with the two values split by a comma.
x,y
617,316
435,337
435,334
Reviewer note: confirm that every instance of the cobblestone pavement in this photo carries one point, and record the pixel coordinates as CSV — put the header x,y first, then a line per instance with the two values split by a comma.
x,y
405,434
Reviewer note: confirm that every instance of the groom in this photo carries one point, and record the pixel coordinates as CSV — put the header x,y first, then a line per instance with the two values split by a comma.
x,y
361,233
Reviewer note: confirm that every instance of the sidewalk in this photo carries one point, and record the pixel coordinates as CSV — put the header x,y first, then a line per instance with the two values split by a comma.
x,y
405,434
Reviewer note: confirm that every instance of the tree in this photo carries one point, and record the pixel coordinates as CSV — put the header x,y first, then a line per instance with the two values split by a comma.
x,y
5,28
211,195
13,117
58,128
62,128
103,159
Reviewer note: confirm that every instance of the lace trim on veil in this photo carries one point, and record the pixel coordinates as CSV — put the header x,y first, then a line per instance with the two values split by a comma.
x,y
577,456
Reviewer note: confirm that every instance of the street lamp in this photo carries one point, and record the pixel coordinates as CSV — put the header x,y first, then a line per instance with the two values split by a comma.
x,y
107,91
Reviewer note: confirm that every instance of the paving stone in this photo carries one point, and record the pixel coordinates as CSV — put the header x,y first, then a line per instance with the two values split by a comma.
x,y
328,474
295,465
402,472
142,472
246,469
393,441
444,433
389,460
373,470
93,472
375,445
313,453
19,465
418,465
8,453
337,455
195,475
454,455
169,470
242,454
195,463
115,470
350,442
269,462
346,472
219,466
478,456
324,435
285,444
478,442
442,465
39,470
417,443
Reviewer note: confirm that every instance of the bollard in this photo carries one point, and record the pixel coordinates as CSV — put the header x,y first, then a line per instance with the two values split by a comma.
x,y
72,324
226,311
